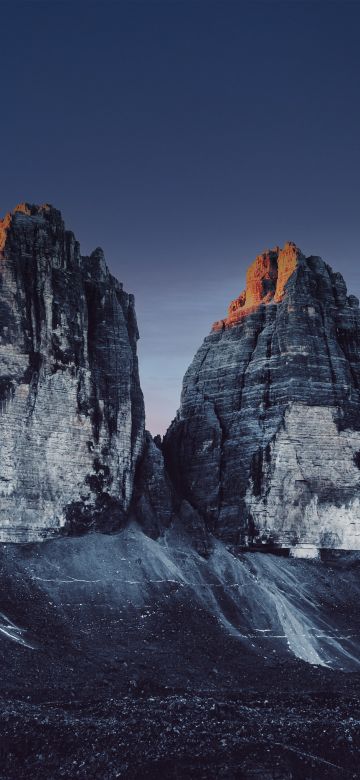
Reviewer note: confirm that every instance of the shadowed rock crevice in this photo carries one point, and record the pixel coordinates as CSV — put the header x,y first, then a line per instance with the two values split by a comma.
x,y
157,505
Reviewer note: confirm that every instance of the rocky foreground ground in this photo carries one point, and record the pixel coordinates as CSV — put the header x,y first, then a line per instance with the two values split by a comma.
x,y
125,657
250,734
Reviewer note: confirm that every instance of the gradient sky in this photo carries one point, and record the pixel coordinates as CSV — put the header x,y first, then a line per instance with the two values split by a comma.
x,y
185,138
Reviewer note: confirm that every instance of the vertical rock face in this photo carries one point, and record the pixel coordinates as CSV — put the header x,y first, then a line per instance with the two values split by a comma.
x,y
266,444
157,505
71,407
153,498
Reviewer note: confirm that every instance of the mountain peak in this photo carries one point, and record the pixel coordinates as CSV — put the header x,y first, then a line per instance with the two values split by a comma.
x,y
32,212
266,278
32,209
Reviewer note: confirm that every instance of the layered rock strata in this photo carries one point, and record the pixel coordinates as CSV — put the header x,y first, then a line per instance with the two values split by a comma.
x,y
266,443
71,407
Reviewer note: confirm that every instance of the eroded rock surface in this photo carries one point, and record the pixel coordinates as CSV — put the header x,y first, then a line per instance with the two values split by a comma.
x,y
266,443
72,413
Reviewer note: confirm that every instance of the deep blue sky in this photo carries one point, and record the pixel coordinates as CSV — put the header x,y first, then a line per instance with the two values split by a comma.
x,y
185,138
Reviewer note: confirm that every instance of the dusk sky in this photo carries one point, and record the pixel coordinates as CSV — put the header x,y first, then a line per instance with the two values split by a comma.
x,y
185,138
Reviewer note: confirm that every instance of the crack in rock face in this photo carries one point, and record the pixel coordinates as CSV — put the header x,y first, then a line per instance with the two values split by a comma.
x,y
266,442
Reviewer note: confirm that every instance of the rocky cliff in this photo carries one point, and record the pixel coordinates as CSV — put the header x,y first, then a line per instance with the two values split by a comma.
x,y
266,443
71,407
265,448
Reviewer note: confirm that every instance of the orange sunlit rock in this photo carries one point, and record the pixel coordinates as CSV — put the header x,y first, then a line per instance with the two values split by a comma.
x,y
30,209
288,259
23,208
4,226
266,278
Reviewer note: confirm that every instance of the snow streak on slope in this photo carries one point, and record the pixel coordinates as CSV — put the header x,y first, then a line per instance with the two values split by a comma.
x,y
13,632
